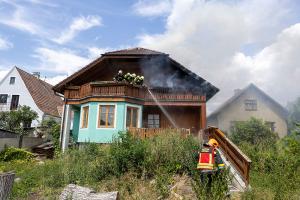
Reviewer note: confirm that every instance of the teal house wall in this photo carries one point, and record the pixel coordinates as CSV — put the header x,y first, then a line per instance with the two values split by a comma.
x,y
101,135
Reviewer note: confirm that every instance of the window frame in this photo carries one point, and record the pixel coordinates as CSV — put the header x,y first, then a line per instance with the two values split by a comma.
x,y
139,114
99,115
271,125
159,118
131,114
249,105
6,98
10,80
82,116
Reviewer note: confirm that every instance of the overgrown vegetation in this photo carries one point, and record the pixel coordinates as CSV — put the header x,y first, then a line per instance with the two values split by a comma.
x,y
138,169
51,129
18,121
11,153
275,163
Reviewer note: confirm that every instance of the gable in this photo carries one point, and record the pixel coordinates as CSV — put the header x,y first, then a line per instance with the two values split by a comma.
x,y
158,69
42,93
18,88
251,92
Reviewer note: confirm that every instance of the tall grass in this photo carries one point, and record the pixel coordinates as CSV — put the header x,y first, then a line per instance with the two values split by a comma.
x,y
128,165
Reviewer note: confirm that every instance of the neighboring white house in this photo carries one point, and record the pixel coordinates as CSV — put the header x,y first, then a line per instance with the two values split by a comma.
x,y
246,103
20,88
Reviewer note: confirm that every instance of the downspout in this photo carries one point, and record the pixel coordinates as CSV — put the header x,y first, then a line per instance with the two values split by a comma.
x,y
63,118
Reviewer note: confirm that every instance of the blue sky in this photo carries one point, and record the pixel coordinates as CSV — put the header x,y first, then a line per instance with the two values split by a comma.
x,y
231,43
114,24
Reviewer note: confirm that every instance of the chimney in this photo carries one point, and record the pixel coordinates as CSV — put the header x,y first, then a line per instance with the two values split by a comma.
x,y
36,74
237,91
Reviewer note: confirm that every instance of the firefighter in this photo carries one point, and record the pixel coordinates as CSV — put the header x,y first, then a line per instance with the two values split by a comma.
x,y
119,77
210,161
219,164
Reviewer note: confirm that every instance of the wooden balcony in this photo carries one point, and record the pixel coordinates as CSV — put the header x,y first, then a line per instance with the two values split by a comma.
x,y
105,89
125,90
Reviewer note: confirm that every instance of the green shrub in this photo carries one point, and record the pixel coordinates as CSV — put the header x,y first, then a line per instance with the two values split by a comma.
x,y
253,131
12,153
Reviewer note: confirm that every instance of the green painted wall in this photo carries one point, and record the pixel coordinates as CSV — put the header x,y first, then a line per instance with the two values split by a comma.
x,y
75,129
102,135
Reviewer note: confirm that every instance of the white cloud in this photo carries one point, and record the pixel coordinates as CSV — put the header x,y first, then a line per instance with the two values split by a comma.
x,y
55,79
152,8
78,24
18,19
276,68
213,39
60,61
95,52
5,44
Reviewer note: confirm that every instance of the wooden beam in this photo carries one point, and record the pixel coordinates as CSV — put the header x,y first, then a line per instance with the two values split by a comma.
x,y
203,115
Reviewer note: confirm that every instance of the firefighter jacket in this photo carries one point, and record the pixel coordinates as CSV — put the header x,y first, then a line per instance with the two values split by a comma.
x,y
210,159
206,159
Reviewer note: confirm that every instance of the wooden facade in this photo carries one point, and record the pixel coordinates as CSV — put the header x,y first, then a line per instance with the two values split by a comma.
x,y
180,92
188,110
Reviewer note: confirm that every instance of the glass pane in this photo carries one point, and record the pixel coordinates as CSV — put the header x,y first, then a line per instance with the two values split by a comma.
x,y
110,119
134,117
103,109
150,116
85,115
156,116
157,122
103,119
128,117
111,109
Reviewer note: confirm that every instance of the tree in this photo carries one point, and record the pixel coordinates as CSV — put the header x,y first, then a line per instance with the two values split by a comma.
x,y
18,121
253,131
294,113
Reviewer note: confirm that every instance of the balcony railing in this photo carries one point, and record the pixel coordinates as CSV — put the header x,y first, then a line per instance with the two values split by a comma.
x,y
113,89
105,89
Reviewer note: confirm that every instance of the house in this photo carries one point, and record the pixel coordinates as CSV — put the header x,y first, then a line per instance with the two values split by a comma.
x,y
19,88
246,103
102,107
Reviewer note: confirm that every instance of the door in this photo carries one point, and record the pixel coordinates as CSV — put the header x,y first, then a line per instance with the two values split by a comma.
x,y
14,102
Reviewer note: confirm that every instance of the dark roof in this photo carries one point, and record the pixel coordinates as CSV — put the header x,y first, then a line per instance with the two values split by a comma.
x,y
210,89
281,110
134,51
42,93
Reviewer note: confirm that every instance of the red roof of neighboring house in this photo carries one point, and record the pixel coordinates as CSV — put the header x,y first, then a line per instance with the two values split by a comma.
x,y
42,93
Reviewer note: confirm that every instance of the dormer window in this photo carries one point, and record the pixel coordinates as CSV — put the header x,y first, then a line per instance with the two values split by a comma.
x,y
250,104
12,80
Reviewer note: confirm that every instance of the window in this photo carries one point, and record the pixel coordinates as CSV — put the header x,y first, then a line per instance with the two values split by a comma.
x,y
106,117
3,98
132,117
153,121
85,117
250,105
14,102
271,125
12,80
